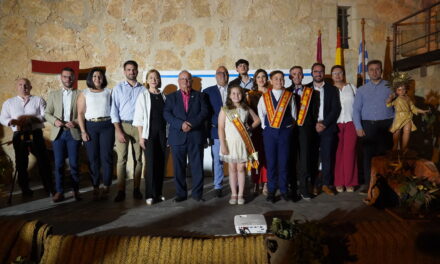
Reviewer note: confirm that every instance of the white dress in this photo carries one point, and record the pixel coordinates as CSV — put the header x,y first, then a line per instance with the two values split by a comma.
x,y
236,146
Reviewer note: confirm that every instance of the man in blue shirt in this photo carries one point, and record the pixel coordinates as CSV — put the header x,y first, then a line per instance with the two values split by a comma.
x,y
124,97
372,118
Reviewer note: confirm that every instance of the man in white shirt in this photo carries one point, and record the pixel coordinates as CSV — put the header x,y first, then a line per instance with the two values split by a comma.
x,y
24,114
61,112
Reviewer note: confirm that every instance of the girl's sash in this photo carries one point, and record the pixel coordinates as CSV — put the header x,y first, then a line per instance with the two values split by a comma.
x,y
234,117
275,116
304,104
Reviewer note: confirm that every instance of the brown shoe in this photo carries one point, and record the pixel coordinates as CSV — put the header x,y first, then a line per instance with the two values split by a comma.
x,y
327,190
58,197
76,196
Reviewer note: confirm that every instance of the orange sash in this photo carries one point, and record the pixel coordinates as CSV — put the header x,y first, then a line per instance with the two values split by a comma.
x,y
275,116
234,117
304,104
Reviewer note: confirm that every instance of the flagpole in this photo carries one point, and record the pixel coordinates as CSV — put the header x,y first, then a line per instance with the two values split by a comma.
x,y
363,50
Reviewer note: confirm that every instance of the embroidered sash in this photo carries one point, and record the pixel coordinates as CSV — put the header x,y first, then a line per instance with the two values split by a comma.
x,y
234,117
304,104
275,116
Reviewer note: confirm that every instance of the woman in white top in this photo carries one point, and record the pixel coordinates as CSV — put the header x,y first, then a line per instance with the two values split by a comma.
x,y
148,118
97,130
346,171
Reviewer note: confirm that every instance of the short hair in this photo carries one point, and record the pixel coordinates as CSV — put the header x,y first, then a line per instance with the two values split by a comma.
x,y
273,73
69,69
318,64
295,67
338,67
378,62
158,75
130,62
26,80
190,75
241,61
255,85
89,80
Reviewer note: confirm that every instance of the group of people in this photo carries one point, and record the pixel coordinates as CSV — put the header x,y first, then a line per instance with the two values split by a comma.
x,y
280,134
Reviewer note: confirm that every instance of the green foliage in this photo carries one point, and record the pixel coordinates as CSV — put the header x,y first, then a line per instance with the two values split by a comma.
x,y
415,192
309,240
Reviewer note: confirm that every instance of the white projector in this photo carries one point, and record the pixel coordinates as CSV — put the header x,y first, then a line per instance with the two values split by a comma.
x,y
250,224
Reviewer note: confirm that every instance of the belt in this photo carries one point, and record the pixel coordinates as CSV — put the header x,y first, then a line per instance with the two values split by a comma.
x,y
99,119
127,121
65,128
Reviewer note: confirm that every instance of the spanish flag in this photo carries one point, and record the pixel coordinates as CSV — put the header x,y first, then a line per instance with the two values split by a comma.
x,y
339,58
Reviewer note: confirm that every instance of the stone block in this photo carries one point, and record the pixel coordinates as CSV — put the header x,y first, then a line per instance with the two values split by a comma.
x,y
179,34
167,60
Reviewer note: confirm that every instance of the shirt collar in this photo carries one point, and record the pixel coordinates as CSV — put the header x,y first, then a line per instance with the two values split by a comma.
x,y
319,88
128,84
68,91
186,94
23,99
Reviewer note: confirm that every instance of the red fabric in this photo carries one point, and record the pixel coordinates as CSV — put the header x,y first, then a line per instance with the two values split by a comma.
x,y
346,171
257,140
55,67
185,97
319,49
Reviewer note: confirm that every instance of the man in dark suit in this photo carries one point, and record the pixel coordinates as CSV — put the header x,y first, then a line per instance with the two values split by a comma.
x,y
186,110
216,95
328,113
304,144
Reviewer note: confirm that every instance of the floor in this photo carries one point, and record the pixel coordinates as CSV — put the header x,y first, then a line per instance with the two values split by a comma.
x,y
214,216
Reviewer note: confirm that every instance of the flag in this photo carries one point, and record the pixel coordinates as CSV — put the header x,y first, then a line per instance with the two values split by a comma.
x,y
387,66
339,57
319,48
359,70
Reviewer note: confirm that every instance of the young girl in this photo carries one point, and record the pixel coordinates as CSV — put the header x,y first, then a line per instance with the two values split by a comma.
x,y
404,109
237,148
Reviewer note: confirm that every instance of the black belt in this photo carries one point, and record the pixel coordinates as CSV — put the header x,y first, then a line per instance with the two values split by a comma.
x,y
127,121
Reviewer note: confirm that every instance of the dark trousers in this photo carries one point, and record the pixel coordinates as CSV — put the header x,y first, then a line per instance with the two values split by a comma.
x,y
377,141
100,151
195,154
32,141
155,151
277,150
65,145
307,152
327,145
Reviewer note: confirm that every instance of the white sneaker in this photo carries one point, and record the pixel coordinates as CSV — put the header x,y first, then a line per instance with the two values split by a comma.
x,y
162,198
149,201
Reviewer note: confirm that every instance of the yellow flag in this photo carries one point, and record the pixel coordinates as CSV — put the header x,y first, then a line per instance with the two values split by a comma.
x,y
339,58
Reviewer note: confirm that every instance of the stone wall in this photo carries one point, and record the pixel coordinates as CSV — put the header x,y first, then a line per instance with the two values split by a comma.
x,y
190,34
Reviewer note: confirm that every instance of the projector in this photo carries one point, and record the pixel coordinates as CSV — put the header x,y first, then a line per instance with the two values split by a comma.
x,y
250,224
